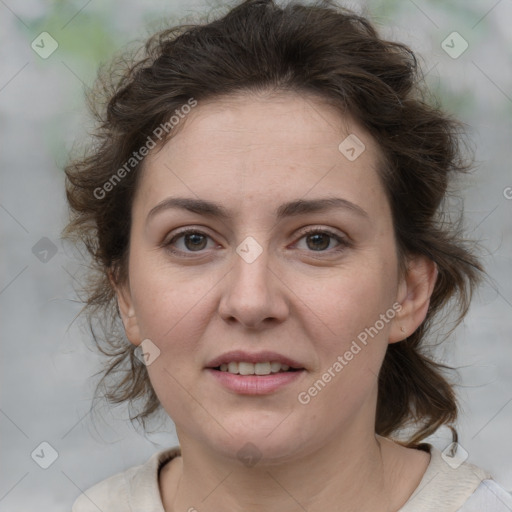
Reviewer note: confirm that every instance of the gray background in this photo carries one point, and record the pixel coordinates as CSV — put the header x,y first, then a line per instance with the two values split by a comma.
x,y
46,364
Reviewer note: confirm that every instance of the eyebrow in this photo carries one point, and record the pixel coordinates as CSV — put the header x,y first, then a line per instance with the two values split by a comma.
x,y
290,209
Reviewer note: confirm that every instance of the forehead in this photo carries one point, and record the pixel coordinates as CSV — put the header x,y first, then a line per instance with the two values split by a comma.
x,y
264,148
257,123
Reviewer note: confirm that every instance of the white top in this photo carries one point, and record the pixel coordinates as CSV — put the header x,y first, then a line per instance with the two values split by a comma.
x,y
446,486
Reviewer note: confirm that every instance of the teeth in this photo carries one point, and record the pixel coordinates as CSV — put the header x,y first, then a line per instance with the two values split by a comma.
x,y
244,368
262,368
275,367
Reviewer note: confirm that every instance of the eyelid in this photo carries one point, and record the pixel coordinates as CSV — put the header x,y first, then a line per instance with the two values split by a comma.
x,y
321,229
186,230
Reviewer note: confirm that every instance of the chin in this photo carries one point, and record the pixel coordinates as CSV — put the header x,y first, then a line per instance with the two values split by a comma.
x,y
258,439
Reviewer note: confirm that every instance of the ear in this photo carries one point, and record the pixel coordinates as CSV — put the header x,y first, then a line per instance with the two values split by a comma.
x,y
414,292
127,311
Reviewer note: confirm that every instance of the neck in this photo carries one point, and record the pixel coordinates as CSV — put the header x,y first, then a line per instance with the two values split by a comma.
x,y
330,477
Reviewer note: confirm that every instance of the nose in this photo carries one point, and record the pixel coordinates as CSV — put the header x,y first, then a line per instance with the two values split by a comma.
x,y
254,294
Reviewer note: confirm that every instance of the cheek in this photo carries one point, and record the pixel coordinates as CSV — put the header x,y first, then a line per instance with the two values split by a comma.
x,y
169,301
350,359
171,312
355,300
357,308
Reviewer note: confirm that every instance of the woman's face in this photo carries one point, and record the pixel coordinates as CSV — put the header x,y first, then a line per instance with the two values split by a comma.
x,y
255,281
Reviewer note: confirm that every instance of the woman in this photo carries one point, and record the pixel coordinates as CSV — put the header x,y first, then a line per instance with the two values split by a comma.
x,y
263,207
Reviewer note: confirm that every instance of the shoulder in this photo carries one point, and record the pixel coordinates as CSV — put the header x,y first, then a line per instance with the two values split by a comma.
x,y
136,488
451,484
109,494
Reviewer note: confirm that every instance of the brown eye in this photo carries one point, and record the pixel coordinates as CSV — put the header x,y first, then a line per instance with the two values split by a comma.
x,y
192,240
319,240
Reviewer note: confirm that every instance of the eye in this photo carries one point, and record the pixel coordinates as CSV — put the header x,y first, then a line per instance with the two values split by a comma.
x,y
318,240
193,241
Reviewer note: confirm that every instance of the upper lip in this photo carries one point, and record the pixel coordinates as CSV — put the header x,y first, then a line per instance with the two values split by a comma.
x,y
257,357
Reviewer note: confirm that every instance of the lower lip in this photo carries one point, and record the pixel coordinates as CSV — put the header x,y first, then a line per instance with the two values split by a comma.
x,y
255,384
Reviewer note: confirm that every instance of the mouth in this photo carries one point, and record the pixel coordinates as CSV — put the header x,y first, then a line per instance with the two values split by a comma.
x,y
247,373
261,373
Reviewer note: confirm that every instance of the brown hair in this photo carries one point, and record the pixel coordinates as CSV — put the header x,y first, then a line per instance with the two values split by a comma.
x,y
255,47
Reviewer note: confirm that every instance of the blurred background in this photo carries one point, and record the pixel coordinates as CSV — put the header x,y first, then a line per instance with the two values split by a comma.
x,y
50,51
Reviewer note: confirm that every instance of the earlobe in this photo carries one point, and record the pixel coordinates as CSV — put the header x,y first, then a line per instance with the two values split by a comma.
x,y
127,311
414,294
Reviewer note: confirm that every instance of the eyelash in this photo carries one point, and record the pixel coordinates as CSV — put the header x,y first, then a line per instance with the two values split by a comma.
x,y
344,243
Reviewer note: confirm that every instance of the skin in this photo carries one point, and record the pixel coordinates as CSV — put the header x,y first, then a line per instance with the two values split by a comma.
x,y
251,153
